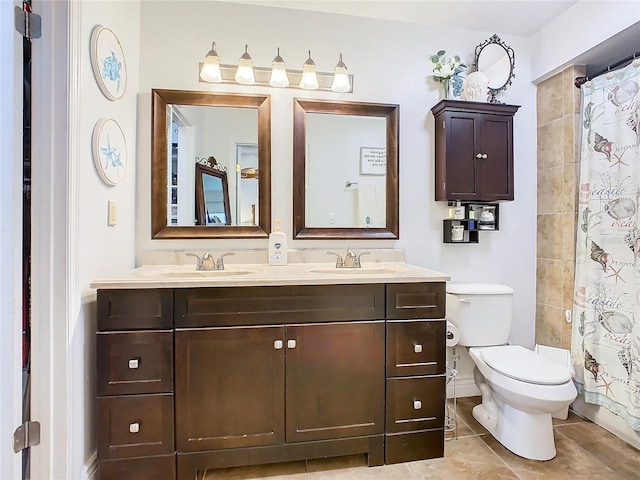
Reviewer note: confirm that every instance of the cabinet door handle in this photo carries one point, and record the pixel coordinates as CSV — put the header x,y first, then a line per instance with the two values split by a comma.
x,y
134,363
134,427
291,344
417,348
277,344
417,404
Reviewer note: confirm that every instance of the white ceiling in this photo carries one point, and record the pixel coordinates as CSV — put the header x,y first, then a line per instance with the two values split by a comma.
x,y
516,17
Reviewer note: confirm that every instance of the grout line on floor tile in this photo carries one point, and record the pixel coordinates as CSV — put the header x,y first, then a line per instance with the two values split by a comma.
x,y
503,461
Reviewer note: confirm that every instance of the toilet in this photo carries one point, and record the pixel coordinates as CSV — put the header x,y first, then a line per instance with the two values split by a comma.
x,y
521,389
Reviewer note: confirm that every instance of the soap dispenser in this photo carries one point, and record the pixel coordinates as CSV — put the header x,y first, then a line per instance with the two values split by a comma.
x,y
277,246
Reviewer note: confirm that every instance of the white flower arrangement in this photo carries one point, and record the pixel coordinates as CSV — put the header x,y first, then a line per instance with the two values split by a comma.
x,y
445,67
447,71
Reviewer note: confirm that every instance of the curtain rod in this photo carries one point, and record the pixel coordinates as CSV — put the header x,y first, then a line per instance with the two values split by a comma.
x,y
579,81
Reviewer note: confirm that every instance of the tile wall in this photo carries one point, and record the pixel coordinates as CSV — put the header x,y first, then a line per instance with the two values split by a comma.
x,y
558,112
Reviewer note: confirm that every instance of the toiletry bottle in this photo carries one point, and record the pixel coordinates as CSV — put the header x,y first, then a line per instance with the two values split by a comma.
x,y
277,246
458,210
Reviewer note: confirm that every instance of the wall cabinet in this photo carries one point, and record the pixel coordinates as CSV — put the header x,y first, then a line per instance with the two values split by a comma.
x,y
474,151
199,378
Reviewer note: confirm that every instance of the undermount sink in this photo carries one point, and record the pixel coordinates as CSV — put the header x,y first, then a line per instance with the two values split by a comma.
x,y
355,271
195,273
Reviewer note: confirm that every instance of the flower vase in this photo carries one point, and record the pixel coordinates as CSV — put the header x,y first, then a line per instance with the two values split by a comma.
x,y
446,83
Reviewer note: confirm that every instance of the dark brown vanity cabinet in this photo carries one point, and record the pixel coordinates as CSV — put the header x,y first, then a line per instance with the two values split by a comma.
x,y
473,151
248,375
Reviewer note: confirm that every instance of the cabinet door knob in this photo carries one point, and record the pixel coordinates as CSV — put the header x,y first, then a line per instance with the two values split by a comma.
x,y
277,344
417,404
291,344
484,155
134,427
417,348
478,155
134,363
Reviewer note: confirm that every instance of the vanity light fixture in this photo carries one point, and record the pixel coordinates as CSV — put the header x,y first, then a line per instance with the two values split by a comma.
x,y
244,72
210,71
341,82
309,79
279,77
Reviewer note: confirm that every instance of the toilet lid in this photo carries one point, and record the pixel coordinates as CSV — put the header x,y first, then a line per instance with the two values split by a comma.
x,y
522,364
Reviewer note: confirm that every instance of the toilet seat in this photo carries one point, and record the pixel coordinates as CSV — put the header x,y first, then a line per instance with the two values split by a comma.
x,y
524,365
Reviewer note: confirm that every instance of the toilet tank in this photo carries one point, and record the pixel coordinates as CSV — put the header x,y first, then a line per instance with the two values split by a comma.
x,y
483,312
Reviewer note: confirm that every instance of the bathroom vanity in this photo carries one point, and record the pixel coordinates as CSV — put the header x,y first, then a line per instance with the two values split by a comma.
x,y
198,370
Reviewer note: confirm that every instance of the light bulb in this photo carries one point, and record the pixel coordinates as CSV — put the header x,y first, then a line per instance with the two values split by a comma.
x,y
211,67
309,79
279,77
341,82
244,72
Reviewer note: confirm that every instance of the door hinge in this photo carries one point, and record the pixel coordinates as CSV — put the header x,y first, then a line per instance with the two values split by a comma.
x,y
28,24
26,435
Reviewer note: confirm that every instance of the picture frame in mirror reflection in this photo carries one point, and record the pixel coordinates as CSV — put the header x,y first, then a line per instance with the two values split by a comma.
x,y
373,160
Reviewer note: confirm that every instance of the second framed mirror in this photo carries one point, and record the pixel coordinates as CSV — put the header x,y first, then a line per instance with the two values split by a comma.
x,y
345,170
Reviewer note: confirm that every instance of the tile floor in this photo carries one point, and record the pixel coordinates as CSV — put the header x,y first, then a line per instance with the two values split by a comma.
x,y
585,452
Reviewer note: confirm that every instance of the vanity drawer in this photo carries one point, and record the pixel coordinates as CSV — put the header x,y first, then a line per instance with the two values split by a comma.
x,y
135,309
416,347
143,468
415,403
212,307
135,362
415,300
135,426
408,447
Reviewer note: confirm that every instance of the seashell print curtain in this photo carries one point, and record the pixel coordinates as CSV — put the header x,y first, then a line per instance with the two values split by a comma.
x,y
606,328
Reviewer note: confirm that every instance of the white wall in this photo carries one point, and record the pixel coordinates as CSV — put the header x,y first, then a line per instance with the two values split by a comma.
x,y
102,249
390,63
585,25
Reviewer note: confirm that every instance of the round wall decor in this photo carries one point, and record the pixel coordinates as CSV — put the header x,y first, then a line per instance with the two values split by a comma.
x,y
107,61
109,150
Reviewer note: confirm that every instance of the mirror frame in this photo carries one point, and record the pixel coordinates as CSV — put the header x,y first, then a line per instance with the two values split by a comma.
x,y
495,39
201,212
390,113
159,178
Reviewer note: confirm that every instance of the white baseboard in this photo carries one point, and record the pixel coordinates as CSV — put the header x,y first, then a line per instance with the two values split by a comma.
x,y
464,387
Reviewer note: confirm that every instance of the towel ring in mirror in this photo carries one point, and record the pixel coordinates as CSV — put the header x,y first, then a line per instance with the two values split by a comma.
x,y
496,60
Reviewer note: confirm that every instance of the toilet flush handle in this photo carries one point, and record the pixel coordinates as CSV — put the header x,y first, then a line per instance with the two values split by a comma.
x,y
465,300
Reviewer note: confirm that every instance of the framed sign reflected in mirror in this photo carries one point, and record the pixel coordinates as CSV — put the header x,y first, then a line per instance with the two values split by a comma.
x,y
236,130
212,196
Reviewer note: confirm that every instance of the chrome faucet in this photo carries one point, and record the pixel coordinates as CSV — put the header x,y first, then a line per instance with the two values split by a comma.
x,y
351,259
207,262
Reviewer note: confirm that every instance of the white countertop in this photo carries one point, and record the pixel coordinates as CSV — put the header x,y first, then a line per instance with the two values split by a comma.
x,y
259,274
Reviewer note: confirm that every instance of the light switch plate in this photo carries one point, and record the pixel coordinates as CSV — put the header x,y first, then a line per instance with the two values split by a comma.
x,y
112,215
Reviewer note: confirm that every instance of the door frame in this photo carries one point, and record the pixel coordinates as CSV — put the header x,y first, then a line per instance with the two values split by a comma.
x,y
11,90
55,125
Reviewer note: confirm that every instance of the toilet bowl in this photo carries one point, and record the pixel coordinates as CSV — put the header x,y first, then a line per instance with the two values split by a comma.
x,y
521,389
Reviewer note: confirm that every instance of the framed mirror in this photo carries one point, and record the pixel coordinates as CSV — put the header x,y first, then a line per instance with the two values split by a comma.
x,y
345,170
496,60
235,130
212,196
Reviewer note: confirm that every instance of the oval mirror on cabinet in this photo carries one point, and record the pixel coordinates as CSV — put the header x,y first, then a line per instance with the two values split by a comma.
x,y
496,60
233,132
345,170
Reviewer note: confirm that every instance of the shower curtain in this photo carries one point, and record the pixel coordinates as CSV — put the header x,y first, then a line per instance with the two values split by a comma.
x,y
606,314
